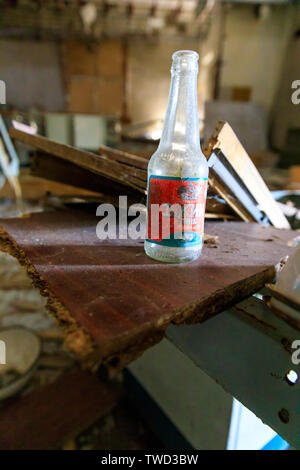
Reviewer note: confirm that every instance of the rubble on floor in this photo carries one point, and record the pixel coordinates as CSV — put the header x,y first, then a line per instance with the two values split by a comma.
x,y
22,305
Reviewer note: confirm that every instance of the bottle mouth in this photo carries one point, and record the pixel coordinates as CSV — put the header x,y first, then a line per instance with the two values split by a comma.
x,y
185,60
185,55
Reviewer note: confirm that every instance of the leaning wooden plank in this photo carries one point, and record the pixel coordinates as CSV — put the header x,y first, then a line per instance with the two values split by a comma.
x,y
130,176
293,320
44,418
56,169
113,301
124,157
52,168
224,191
225,141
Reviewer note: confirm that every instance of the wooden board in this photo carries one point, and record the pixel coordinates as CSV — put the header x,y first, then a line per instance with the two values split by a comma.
x,y
52,168
55,169
113,301
122,173
225,140
124,157
54,412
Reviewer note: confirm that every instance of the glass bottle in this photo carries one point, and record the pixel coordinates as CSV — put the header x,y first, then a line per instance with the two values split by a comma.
x,y
177,172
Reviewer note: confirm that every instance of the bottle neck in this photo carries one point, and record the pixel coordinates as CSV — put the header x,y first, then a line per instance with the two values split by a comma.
x,y
181,125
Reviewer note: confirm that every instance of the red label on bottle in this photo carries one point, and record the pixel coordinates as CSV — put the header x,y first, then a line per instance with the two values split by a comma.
x,y
176,208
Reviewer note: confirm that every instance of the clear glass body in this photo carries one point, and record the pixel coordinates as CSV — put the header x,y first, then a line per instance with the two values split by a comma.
x,y
179,153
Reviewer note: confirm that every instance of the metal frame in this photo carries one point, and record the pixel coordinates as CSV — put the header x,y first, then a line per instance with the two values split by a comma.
x,y
248,351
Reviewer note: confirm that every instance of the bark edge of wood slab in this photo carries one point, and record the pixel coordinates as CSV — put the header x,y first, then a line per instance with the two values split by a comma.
x,y
77,339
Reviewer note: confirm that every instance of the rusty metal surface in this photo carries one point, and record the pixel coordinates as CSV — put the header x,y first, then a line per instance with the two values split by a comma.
x,y
122,299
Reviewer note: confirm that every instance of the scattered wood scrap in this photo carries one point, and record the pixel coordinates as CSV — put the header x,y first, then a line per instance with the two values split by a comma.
x,y
113,301
211,239
44,165
289,302
54,412
55,168
234,176
114,170
124,157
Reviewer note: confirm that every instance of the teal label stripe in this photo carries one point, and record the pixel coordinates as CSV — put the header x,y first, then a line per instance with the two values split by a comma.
x,y
176,178
178,243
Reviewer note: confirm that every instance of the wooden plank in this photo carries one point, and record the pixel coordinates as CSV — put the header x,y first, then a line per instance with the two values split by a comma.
x,y
225,140
283,298
124,157
52,168
44,418
218,185
289,302
113,301
113,170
